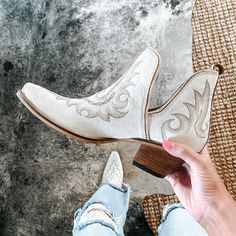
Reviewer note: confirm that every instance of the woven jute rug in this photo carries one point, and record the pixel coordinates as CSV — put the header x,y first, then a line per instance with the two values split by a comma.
x,y
214,41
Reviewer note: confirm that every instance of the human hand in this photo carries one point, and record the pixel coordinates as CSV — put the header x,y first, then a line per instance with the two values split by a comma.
x,y
200,189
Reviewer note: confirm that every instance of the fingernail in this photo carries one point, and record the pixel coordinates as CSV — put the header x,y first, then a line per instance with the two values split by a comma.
x,y
167,144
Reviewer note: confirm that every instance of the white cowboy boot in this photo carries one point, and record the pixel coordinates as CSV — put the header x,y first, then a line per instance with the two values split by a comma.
x,y
121,112
113,172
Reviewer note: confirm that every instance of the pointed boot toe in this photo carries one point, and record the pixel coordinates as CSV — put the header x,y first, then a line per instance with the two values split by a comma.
x,y
113,172
49,107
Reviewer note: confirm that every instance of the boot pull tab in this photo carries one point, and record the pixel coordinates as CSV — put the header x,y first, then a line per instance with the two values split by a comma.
x,y
219,68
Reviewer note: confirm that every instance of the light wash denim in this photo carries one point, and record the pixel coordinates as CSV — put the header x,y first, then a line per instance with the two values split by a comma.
x,y
116,200
176,221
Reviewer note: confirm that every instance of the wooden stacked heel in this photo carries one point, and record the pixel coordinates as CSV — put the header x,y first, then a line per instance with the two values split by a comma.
x,y
156,161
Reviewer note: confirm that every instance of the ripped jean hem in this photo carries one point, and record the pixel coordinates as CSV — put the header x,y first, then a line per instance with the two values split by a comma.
x,y
168,208
80,211
101,222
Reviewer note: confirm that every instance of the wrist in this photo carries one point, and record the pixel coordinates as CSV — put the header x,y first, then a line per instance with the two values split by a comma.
x,y
220,217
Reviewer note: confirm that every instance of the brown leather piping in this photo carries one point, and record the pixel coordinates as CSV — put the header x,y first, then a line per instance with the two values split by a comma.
x,y
154,78
163,106
220,71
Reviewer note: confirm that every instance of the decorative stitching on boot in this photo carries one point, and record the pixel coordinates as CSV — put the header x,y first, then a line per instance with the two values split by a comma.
x,y
196,118
111,102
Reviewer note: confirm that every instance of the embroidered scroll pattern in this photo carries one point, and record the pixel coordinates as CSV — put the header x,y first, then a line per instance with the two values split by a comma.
x,y
196,118
113,101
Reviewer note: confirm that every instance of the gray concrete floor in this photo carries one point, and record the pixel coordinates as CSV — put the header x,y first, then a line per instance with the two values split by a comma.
x,y
75,48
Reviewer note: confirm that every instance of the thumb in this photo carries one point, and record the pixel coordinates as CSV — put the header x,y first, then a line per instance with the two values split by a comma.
x,y
182,151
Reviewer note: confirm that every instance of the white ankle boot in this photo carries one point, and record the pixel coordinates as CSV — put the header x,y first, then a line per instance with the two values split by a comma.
x,y
121,112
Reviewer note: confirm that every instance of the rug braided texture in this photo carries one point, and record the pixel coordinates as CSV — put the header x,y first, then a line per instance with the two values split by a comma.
x,y
214,41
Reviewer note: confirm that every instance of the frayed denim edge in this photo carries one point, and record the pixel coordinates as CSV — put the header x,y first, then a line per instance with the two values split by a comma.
x,y
170,208
123,190
80,211
101,222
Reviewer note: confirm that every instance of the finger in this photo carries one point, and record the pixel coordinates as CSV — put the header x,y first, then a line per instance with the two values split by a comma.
x,y
180,176
185,167
205,153
171,180
182,151
205,150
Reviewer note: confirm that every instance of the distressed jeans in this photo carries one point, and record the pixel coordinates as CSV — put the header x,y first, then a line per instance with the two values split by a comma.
x,y
116,201
176,221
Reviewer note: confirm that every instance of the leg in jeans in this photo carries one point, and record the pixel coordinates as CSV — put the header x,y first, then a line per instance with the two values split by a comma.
x,y
105,212
176,221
